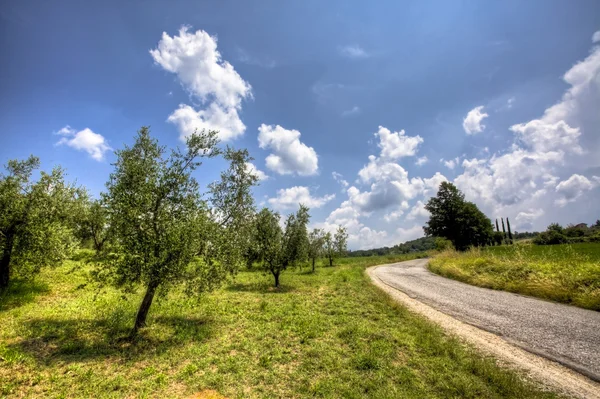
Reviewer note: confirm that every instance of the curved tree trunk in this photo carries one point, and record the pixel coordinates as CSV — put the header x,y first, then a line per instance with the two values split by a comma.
x,y
5,261
140,320
276,275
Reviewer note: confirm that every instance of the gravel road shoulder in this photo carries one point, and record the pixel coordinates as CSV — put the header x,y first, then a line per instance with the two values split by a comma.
x,y
550,374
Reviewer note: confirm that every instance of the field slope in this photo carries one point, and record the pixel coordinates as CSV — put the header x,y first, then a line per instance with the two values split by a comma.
x,y
328,334
567,273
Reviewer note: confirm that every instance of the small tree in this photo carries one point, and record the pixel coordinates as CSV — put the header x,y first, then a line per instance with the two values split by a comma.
x,y
37,219
94,224
335,245
281,249
161,223
316,240
555,227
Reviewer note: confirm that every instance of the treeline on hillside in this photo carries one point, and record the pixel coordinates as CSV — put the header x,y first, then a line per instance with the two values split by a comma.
x,y
419,245
152,228
573,233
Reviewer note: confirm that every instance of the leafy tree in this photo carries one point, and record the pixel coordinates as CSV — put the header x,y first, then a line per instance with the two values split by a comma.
x,y
555,227
498,237
281,249
335,245
161,223
93,224
316,240
457,220
442,244
37,218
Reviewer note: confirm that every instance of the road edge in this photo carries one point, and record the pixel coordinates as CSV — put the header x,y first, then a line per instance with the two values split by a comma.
x,y
539,369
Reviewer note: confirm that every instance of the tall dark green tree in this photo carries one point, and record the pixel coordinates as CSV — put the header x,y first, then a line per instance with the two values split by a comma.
x,y
456,219
497,228
510,236
37,218
161,222
503,228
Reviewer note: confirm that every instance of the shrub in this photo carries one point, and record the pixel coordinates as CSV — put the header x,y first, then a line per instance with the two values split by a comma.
x,y
550,237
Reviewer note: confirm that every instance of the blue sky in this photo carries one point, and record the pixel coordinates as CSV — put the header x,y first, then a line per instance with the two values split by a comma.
x,y
501,97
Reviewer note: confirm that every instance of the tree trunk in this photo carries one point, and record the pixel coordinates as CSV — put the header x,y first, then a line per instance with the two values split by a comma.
x,y
313,264
140,320
276,275
331,261
5,261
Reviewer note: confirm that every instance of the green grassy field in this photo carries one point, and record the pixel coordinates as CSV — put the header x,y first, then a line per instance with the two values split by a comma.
x,y
328,334
567,273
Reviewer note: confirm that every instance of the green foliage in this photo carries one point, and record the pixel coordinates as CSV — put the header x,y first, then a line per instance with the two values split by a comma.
x,y
316,241
94,224
279,249
510,235
457,220
37,219
161,223
442,244
563,273
419,245
335,246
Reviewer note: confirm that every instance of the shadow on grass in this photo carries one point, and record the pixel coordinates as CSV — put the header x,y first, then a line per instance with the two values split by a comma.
x,y
75,340
261,287
21,292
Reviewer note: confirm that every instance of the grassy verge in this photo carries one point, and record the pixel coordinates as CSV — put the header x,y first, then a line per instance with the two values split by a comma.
x,y
567,273
328,334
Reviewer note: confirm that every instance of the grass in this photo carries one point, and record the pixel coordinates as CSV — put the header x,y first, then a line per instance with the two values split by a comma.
x,y
327,334
568,273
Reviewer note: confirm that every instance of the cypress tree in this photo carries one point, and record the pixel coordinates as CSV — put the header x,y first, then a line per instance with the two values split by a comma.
x,y
509,232
497,228
503,229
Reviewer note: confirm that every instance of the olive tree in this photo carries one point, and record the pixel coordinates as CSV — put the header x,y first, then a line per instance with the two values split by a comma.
x,y
36,218
316,240
93,224
165,232
280,248
335,245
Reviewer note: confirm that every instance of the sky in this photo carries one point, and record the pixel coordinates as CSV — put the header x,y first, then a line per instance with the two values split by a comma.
x,y
358,110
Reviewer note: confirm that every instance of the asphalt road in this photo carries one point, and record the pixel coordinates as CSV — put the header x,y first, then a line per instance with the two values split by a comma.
x,y
566,334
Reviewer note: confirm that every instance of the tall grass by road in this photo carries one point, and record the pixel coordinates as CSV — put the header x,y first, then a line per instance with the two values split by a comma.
x,y
567,273
328,334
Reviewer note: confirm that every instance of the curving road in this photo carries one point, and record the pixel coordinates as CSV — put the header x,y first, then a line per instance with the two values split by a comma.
x,y
562,333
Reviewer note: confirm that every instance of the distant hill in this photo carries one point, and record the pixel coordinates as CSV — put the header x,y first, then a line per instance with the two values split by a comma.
x,y
418,245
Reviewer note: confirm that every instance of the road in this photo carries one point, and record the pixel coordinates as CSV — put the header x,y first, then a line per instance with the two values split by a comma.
x,y
566,334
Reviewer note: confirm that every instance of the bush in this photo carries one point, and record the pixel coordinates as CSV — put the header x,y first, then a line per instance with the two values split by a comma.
x,y
442,244
550,237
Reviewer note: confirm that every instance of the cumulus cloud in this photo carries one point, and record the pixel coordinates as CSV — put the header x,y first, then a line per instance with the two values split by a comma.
x,y
225,120
251,168
421,161
84,140
395,145
596,37
565,139
472,122
291,198
418,212
338,177
572,188
451,163
194,58
353,51
289,155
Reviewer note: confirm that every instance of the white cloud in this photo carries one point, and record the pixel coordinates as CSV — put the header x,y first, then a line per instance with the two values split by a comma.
x,y
572,188
421,161
393,216
526,219
84,140
472,122
289,154
194,58
418,212
338,177
596,37
226,121
451,163
544,137
411,233
251,168
352,111
395,145
510,102
353,51
290,198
